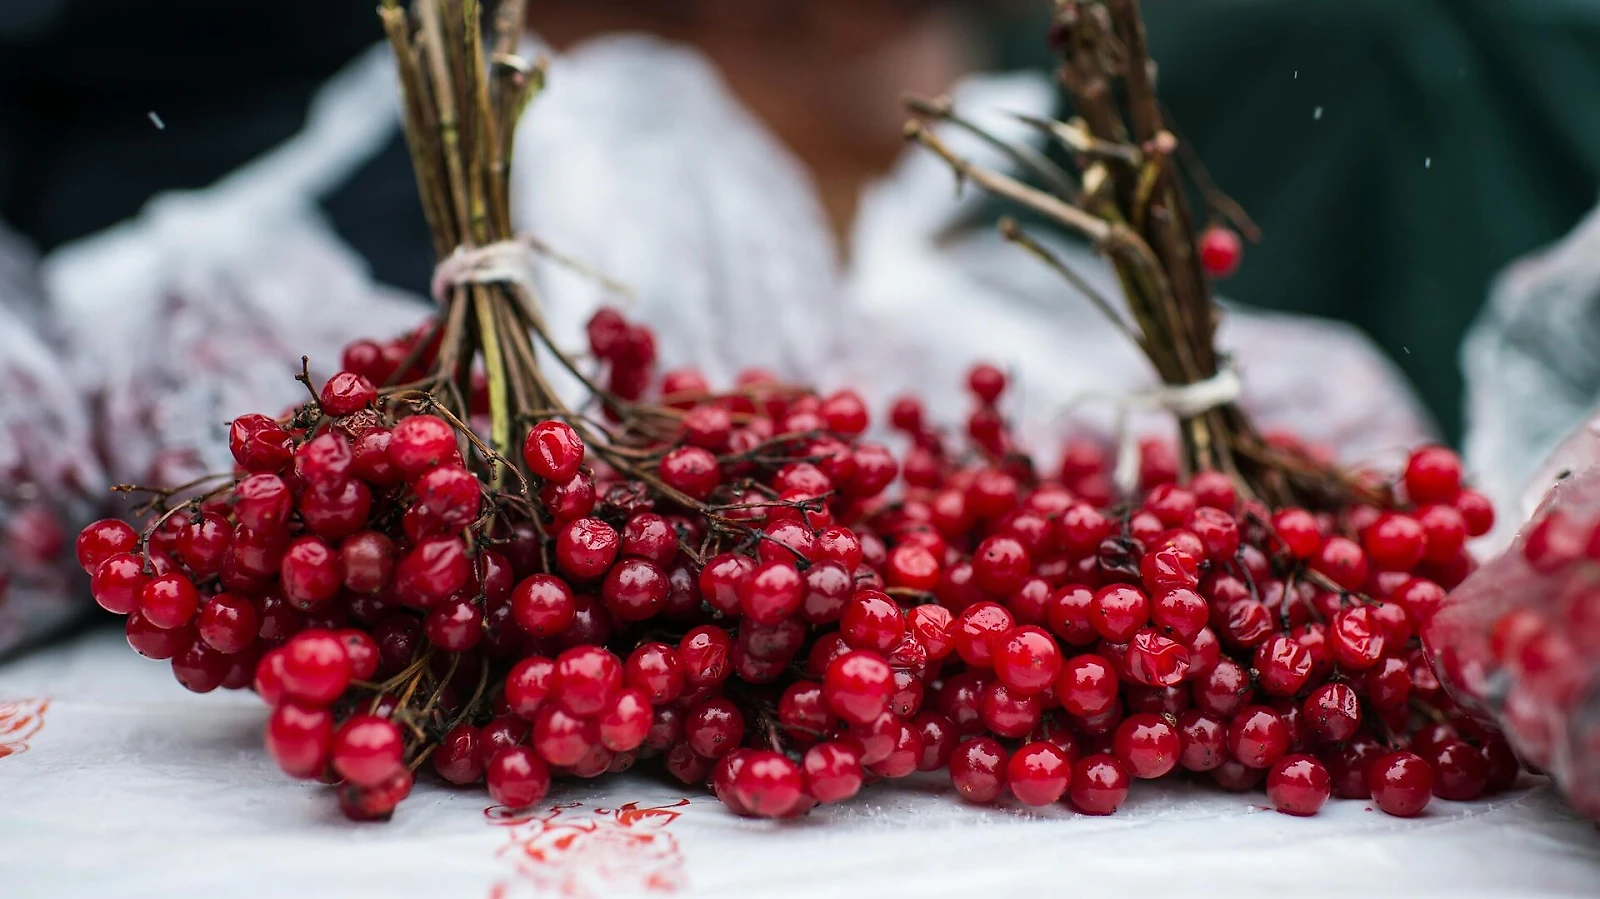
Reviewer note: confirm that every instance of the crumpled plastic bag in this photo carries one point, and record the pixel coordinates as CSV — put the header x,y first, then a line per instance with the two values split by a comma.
x,y
200,309
1519,640
49,473
638,161
1532,370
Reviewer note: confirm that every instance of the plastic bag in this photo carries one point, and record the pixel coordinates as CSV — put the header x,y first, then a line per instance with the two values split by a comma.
x,y
201,308
1519,640
48,471
1531,368
640,162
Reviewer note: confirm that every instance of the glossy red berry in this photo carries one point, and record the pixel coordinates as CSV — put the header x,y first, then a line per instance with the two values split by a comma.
x,y
103,539
1394,542
1258,737
587,678
586,548
1147,745
1099,784
517,777
169,601
1039,773
1298,785
858,687
986,382
1027,659
832,771
316,667
691,470
553,451
368,750
346,393
300,739
1433,475
978,769
1401,783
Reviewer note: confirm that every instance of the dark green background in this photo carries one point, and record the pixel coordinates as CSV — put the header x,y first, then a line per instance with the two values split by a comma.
x,y
1503,96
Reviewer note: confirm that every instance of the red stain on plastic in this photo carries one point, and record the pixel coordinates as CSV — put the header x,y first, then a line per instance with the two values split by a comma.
x,y
20,721
564,852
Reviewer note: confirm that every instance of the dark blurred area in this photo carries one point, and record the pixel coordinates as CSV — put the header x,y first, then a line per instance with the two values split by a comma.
x,y
1396,152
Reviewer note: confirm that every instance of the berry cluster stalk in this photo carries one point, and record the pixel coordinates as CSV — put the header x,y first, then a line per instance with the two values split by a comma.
x,y
1128,198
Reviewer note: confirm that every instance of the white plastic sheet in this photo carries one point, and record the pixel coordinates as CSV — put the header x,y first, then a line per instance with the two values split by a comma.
x,y
49,474
117,782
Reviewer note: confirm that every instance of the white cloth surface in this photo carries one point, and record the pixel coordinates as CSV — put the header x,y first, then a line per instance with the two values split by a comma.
x,y
126,785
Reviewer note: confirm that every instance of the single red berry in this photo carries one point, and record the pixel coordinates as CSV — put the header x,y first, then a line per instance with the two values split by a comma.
x,y
1147,745
456,760
1297,530
1394,542
346,393
1433,475
858,686
528,685
309,573
368,750
586,548
316,667
421,442
1356,639
517,777
1477,513
704,655
300,739
1461,771
260,444
625,723
454,625
1298,785
832,771
1282,666
978,769
1099,784
714,728
1445,530
1027,659
978,628
562,739
169,601
1221,250
1340,560
1333,712
772,592
691,470
553,451
543,605
634,590
872,621
587,678
1119,611
986,382
103,539
1088,686
229,623
1155,660
1039,773
118,583
912,568
1401,783
1000,564
1202,740
1258,736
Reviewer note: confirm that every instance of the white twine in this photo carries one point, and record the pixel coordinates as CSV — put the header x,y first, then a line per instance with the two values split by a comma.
x,y
506,262
1182,400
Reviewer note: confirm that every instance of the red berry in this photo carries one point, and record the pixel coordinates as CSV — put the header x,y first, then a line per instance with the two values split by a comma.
x,y
229,623
346,393
1027,660
1039,773
553,451
169,601
1476,512
309,572
986,382
772,592
528,685
691,470
1394,542
1119,612
912,568
625,723
1282,666
1220,251
1356,639
1333,712
260,444
1433,475
1401,782
872,621
714,728
978,628
704,655
978,769
368,750
1340,560
1147,745
118,583
1088,686
517,777
1445,530
103,539
455,625
832,771
316,667
1099,785
300,739
1257,737
1202,741
634,590
1156,661
1000,564
1298,785
586,548
421,442
1297,530
587,679
858,686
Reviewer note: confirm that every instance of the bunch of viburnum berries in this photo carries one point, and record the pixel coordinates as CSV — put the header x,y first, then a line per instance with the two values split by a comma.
x,y
748,598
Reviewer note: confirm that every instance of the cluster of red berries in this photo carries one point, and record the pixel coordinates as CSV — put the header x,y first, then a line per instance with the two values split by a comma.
x,y
754,608
1521,641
